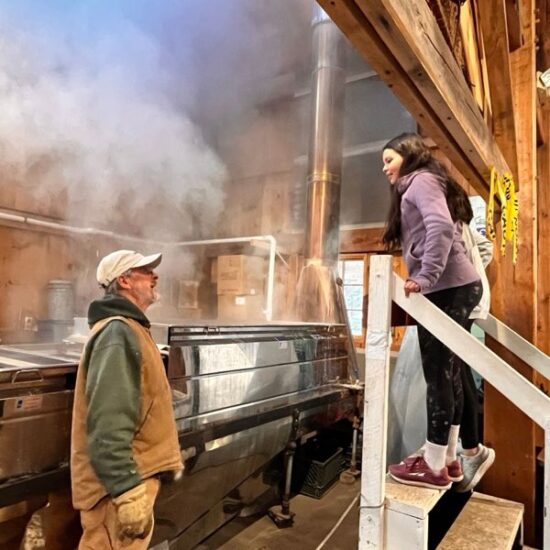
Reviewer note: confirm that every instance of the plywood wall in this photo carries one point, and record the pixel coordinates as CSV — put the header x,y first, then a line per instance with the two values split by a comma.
x,y
32,198
28,261
29,257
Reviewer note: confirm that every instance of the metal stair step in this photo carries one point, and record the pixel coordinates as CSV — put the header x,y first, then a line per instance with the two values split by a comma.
x,y
485,522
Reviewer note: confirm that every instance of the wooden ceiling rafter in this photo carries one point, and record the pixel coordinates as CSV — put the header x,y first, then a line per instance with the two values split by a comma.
x,y
403,43
513,23
353,23
494,30
543,34
542,122
474,58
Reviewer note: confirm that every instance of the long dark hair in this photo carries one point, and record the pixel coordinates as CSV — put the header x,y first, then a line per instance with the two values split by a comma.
x,y
416,154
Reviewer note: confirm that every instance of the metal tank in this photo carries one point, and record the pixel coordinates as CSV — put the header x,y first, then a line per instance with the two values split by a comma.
x,y
241,394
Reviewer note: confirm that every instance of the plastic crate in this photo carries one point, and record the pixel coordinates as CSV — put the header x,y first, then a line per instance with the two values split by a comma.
x,y
321,475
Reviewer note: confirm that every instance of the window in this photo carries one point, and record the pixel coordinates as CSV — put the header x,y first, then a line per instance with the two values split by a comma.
x,y
352,269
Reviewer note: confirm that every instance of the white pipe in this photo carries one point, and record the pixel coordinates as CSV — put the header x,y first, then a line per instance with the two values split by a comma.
x,y
270,277
12,217
268,311
71,228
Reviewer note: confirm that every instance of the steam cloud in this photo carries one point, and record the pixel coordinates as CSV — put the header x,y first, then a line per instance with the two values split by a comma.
x,y
93,113
128,106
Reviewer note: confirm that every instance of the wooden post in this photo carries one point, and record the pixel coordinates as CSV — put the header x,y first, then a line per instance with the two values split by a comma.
x,y
543,218
492,15
375,415
513,301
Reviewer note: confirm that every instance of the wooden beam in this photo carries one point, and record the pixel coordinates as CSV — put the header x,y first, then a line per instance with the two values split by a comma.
x,y
528,398
492,17
447,15
411,33
514,300
543,33
519,346
513,23
542,123
543,217
472,53
361,240
439,122
375,415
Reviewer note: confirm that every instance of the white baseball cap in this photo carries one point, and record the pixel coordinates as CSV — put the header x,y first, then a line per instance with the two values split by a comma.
x,y
118,262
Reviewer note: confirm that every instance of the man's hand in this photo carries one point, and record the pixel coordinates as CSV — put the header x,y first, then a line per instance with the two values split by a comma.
x,y
411,286
135,512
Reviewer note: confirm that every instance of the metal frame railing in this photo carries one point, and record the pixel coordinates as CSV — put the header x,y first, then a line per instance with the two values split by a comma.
x,y
385,287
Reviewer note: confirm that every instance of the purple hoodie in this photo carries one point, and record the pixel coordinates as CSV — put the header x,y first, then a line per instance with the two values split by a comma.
x,y
432,243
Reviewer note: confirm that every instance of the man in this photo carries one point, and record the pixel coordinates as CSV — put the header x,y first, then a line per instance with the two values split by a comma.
x,y
124,433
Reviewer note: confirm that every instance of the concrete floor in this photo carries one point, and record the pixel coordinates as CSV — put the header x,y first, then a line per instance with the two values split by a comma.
x,y
313,522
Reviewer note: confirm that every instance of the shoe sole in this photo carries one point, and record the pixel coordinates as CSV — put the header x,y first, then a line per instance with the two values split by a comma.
x,y
420,483
480,472
453,479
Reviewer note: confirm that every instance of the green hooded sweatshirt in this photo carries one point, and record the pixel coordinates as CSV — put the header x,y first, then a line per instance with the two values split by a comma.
x,y
113,363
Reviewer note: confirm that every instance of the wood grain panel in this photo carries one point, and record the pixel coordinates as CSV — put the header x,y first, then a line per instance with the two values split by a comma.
x,y
492,16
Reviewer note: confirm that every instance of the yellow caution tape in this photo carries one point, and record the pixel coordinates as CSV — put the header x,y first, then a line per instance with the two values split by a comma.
x,y
490,223
505,188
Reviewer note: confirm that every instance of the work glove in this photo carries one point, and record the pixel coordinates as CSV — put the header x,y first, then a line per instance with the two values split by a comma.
x,y
134,513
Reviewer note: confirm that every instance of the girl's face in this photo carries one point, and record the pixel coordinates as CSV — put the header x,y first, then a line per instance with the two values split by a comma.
x,y
392,164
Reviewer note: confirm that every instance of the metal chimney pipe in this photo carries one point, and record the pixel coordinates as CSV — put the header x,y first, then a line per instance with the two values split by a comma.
x,y
325,147
317,293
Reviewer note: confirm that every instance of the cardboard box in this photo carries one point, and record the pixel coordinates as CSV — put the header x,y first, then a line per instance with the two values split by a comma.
x,y
214,271
188,295
241,275
242,309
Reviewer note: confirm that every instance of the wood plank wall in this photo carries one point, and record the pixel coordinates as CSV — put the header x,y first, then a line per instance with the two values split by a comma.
x,y
29,258
543,216
513,475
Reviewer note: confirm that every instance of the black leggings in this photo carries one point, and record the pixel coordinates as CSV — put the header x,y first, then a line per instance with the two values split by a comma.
x,y
442,368
469,432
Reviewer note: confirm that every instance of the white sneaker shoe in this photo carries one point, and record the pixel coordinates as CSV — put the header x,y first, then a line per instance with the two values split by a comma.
x,y
474,468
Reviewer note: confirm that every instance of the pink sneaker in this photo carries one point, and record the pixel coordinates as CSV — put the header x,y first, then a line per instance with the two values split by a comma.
x,y
415,471
455,471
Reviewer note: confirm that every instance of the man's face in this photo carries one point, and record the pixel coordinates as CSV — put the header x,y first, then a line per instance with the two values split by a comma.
x,y
139,286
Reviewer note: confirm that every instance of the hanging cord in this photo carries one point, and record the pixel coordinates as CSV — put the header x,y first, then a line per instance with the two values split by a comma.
x,y
338,523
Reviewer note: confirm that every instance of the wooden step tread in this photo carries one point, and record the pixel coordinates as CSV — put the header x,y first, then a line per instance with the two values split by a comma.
x,y
485,522
411,500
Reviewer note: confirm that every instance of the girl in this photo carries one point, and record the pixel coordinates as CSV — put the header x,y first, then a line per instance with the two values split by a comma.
x,y
424,220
